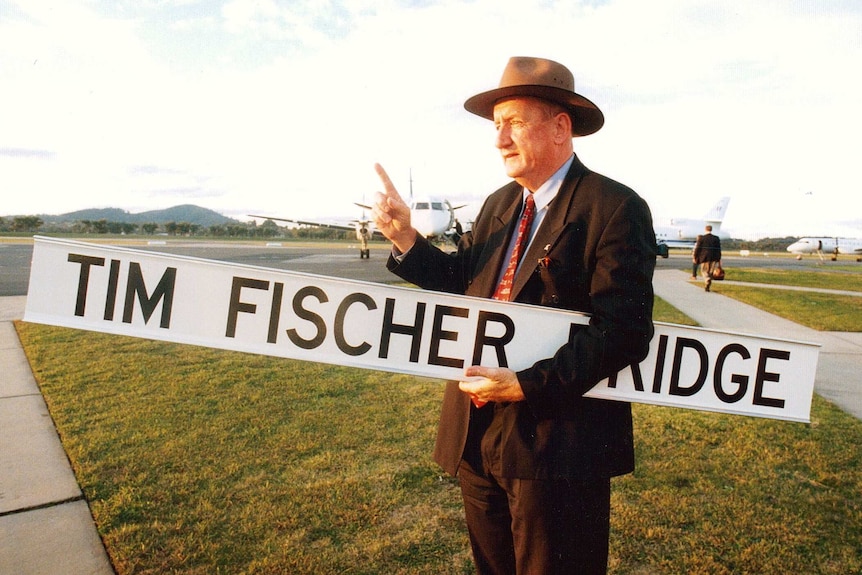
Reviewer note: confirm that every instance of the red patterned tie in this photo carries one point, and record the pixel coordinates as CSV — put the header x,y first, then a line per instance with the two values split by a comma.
x,y
504,288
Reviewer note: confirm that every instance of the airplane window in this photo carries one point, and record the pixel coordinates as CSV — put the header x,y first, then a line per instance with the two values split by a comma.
x,y
421,206
437,205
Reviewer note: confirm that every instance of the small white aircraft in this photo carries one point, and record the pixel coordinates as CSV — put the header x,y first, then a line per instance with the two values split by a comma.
x,y
363,227
825,245
683,232
432,216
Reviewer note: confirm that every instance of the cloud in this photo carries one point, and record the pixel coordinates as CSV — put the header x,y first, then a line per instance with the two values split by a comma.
x,y
171,184
22,153
284,106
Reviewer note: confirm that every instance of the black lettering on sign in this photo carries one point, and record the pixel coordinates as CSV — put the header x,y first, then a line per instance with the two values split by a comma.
x,y
309,316
682,344
235,306
341,313
83,278
637,378
498,343
135,286
438,334
740,380
275,312
164,291
659,364
111,297
763,375
389,328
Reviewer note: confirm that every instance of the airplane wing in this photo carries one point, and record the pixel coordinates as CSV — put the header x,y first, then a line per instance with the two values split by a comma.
x,y
683,244
348,226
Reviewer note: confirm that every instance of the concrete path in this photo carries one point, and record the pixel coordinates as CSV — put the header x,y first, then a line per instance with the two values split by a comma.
x,y
45,523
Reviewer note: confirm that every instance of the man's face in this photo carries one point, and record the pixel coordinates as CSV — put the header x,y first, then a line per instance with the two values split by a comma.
x,y
528,139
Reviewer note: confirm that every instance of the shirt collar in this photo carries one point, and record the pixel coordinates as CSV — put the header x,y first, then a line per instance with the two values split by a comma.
x,y
548,191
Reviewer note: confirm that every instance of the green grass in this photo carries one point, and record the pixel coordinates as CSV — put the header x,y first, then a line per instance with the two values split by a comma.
x,y
203,461
196,460
721,494
844,278
824,312
820,311
670,314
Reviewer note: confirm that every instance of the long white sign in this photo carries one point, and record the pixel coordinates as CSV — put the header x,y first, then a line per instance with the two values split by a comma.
x,y
373,326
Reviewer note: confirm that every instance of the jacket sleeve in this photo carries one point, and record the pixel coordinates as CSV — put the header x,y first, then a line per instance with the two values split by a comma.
x,y
430,268
621,261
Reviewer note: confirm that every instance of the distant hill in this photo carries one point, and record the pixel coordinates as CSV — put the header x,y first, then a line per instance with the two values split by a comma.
x,y
186,213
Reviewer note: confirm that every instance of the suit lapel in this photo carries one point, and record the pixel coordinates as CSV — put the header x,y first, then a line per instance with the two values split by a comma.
x,y
501,226
553,224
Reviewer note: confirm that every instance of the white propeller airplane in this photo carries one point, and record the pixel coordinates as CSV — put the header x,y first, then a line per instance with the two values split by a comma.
x,y
363,227
825,245
432,216
683,232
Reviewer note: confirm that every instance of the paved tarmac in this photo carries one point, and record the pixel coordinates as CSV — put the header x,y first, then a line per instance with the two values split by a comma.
x,y
45,524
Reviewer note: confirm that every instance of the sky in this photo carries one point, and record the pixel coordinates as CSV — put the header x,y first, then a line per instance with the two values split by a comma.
x,y
282,107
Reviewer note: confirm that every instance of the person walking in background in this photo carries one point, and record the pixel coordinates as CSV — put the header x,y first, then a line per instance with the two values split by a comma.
x,y
707,254
694,264
533,456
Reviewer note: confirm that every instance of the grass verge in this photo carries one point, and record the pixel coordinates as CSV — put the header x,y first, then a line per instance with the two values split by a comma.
x,y
843,278
670,314
817,310
202,461
820,311
196,460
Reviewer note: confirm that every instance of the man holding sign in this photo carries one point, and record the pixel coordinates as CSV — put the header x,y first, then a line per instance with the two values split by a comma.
x,y
533,456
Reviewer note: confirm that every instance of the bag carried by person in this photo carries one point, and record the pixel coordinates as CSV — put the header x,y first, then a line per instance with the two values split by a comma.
x,y
717,272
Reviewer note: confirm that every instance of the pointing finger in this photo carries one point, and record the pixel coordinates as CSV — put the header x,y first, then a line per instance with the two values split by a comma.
x,y
384,177
387,182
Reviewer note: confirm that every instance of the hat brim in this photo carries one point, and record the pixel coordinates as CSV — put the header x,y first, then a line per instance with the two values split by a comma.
x,y
586,116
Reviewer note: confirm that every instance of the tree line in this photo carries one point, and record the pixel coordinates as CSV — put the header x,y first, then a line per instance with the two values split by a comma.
x,y
267,229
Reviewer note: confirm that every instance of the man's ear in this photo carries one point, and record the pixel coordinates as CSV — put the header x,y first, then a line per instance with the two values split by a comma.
x,y
563,127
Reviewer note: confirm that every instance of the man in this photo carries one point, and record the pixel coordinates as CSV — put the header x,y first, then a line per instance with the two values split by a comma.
x,y
707,253
694,265
534,457
364,233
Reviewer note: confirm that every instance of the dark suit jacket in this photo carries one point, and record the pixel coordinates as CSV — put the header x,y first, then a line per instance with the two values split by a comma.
x,y
707,249
598,246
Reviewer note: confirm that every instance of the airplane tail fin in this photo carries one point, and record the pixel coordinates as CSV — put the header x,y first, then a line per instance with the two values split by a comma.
x,y
716,214
411,186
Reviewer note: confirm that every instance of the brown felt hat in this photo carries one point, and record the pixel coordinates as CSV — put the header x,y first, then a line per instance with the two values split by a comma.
x,y
545,79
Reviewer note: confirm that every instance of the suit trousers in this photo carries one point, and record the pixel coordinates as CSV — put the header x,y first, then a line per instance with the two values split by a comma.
x,y
706,269
536,527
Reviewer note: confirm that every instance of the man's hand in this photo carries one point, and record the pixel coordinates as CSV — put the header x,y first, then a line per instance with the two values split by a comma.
x,y
392,215
492,384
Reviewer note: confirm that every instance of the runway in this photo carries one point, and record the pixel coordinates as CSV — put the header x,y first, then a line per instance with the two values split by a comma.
x,y
338,260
